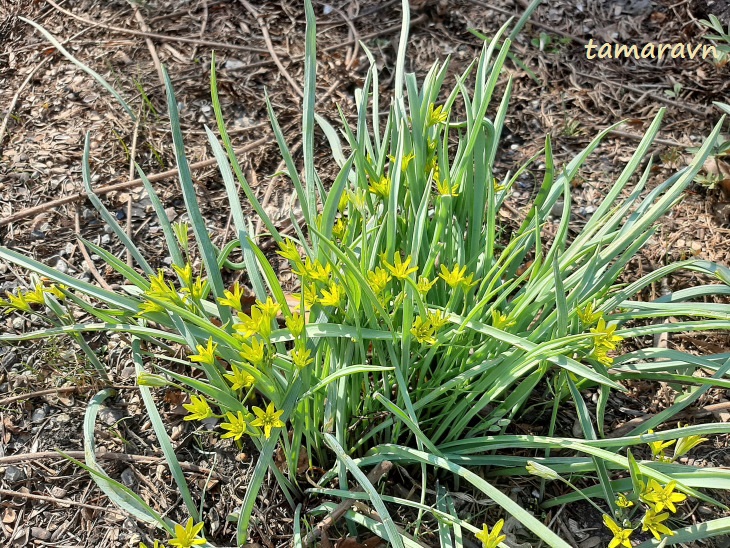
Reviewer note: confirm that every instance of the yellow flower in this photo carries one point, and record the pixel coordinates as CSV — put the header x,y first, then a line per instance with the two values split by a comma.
x,y
620,535
233,298
342,204
239,378
267,419
185,274
161,289
658,447
253,324
437,319
456,276
405,161
16,303
339,229
623,502
295,323
300,356
197,290
436,115
289,251
491,539
381,187
600,354
198,408
378,279
423,331
236,426
424,285
498,187
333,296
269,309
400,269
186,537
443,187
36,296
206,354
310,295
653,522
149,307
588,315
313,271
501,321
254,353
663,497
605,337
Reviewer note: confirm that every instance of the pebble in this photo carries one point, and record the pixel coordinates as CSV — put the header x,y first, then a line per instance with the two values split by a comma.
x,y
61,266
40,533
108,229
110,416
18,323
128,477
70,247
557,209
9,360
14,474
38,415
105,239
62,418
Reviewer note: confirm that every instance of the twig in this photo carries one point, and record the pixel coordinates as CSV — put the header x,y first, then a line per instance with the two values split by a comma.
x,y
132,154
121,186
87,259
54,500
373,477
105,455
220,45
38,394
270,46
203,26
148,41
637,137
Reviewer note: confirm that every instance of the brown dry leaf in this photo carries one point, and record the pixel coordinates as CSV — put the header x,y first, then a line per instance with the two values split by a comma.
x,y
174,397
721,170
348,542
9,516
303,462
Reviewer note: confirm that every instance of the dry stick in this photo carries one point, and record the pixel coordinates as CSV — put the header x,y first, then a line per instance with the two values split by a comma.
x,y
354,35
221,45
132,154
373,477
270,46
203,26
54,500
87,259
122,186
103,455
628,135
38,394
148,41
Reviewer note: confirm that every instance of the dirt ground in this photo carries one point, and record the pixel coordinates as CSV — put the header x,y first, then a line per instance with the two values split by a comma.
x,y
47,105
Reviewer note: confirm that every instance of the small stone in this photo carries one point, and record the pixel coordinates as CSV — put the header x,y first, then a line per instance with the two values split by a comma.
x,y
110,416
40,533
105,239
61,266
13,474
557,209
18,323
58,492
69,249
38,415
62,418
9,360
128,477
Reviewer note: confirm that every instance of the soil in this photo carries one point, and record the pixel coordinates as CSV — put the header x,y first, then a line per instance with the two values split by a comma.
x,y
49,105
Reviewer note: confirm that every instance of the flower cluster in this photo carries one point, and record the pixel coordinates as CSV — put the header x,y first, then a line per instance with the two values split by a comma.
x,y
604,342
25,301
